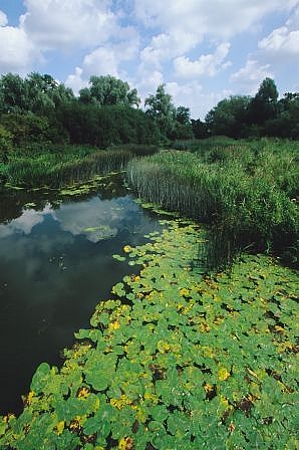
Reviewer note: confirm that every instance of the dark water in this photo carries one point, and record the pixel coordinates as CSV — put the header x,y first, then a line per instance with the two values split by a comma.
x,y
55,265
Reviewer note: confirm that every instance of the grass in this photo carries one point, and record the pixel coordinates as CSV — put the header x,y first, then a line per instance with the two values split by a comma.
x,y
248,191
57,166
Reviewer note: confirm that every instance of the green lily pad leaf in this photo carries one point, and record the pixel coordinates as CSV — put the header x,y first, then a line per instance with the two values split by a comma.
x,y
159,413
93,335
99,381
118,289
3,426
40,378
99,371
119,258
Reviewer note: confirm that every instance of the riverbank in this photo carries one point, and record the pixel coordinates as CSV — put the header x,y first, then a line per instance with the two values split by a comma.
x,y
55,166
247,190
174,360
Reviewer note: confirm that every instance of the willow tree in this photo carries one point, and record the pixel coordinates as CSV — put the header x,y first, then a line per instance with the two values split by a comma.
x,y
108,90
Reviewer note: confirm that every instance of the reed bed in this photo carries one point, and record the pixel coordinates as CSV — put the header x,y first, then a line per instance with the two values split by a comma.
x,y
248,191
55,168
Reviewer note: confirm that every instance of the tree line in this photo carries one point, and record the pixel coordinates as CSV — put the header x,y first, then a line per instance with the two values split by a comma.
x,y
39,109
261,115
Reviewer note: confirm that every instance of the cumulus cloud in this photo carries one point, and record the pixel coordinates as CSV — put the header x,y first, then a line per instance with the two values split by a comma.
x,y
182,25
16,50
206,64
106,60
283,41
249,77
199,17
193,94
81,23
148,82
3,19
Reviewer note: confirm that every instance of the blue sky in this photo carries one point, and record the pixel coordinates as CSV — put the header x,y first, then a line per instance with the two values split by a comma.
x,y
203,50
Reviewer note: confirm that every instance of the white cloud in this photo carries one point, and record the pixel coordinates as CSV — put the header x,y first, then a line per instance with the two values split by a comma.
x,y
200,17
25,222
105,60
166,46
102,61
59,24
75,80
283,41
148,82
3,19
207,65
183,24
248,78
193,95
96,220
16,50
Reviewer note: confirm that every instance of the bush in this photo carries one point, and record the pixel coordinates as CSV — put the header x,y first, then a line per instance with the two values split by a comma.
x,y
5,144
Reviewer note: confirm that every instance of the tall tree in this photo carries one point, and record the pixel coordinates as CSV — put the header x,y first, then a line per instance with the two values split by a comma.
x,y
286,124
108,90
161,109
45,93
13,93
263,106
199,128
183,126
228,116
37,93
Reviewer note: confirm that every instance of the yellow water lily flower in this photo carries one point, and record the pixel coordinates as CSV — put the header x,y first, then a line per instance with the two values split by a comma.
x,y
126,443
223,374
60,427
83,392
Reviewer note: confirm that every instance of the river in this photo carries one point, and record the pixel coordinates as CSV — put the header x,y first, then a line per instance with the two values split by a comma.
x,y
56,264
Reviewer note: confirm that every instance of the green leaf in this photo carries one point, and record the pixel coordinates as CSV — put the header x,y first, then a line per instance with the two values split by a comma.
x,y
40,378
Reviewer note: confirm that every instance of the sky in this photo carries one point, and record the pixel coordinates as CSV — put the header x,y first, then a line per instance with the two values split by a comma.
x,y
202,50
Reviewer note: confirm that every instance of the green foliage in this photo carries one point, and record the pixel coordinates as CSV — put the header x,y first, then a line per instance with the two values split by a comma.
x,y
263,106
26,129
39,94
228,116
56,166
246,190
108,90
5,144
138,149
13,93
253,117
162,111
174,360
108,125
199,128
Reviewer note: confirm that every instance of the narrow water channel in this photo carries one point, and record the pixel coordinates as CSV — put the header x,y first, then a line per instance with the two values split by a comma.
x,y
55,265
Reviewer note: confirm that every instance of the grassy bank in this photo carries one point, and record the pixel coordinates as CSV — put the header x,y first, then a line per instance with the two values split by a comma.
x,y
55,166
247,190
174,361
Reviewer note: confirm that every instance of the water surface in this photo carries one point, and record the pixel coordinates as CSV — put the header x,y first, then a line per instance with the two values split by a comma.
x,y
55,265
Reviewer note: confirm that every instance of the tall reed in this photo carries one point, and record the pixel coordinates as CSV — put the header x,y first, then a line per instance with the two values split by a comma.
x,y
55,168
246,191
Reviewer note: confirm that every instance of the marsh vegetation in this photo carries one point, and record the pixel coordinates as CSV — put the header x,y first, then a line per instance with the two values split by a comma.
x,y
196,347
247,191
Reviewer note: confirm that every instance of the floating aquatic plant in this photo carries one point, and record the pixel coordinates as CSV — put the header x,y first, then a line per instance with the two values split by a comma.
x,y
175,360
